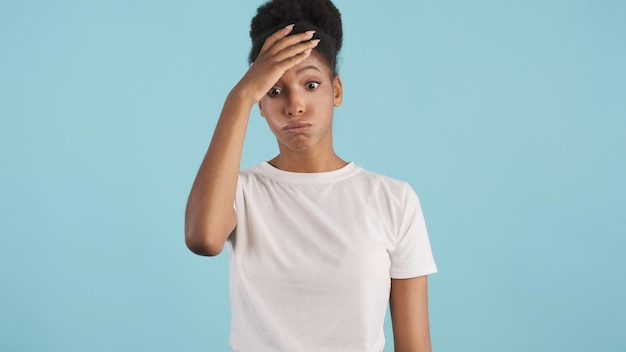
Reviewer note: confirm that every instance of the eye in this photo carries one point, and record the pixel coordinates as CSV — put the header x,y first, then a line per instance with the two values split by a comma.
x,y
312,85
274,91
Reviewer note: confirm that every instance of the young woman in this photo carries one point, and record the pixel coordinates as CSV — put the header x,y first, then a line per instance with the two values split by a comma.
x,y
317,245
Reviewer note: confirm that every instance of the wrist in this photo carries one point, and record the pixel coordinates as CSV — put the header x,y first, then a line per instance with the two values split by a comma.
x,y
243,94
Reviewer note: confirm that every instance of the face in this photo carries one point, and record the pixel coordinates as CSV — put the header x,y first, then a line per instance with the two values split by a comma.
x,y
299,108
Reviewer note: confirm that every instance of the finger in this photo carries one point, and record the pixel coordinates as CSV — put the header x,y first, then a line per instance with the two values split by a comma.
x,y
281,40
276,36
296,49
290,41
295,60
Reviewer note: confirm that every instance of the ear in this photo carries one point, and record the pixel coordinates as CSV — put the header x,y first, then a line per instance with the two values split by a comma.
x,y
338,91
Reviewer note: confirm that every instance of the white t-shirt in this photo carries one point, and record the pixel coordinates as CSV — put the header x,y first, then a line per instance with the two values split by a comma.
x,y
313,254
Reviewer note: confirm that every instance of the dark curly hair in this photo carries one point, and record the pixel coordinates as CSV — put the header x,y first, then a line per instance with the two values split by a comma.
x,y
318,15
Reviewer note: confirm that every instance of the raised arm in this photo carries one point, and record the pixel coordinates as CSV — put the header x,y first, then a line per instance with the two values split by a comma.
x,y
210,217
409,314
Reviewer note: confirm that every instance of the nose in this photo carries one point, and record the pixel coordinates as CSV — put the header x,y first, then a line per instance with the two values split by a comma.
x,y
294,105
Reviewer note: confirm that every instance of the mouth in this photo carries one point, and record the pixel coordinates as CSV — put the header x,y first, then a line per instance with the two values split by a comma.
x,y
297,127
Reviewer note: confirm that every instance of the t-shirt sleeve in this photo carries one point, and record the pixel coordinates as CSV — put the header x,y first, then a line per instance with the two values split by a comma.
x,y
238,192
411,255
238,203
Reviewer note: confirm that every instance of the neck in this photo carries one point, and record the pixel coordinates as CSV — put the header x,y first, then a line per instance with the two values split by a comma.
x,y
307,162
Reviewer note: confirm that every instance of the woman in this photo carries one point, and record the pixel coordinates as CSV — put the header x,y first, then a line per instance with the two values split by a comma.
x,y
317,245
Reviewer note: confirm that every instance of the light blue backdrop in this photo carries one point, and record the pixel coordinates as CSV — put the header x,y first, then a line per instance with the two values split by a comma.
x,y
507,117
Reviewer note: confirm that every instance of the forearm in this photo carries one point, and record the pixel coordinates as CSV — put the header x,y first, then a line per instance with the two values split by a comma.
x,y
210,216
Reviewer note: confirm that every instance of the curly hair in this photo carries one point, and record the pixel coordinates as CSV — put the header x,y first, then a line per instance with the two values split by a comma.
x,y
319,15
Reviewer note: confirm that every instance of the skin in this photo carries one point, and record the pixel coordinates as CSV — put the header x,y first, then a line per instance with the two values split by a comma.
x,y
409,314
296,93
210,217
299,111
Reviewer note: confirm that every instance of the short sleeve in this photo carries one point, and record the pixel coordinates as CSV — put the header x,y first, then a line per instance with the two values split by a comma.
x,y
238,192
412,255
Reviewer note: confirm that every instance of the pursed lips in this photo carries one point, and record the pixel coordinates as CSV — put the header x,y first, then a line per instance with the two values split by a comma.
x,y
297,127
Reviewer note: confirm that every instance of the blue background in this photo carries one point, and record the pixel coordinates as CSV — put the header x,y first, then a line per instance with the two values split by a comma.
x,y
507,117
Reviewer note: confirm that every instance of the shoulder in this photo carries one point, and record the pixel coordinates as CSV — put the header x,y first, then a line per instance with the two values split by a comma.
x,y
252,170
387,184
256,172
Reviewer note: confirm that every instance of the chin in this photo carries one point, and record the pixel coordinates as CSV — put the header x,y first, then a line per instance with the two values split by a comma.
x,y
298,144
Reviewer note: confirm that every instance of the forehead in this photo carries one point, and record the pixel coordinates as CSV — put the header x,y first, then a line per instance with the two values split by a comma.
x,y
312,62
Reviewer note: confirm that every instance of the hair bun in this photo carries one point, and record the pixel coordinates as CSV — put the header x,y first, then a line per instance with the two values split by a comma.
x,y
275,14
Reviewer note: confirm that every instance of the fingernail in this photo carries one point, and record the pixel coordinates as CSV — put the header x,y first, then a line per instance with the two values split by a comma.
x,y
316,41
290,26
310,32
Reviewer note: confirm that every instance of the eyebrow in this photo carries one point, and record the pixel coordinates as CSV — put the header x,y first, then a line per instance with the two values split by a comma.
x,y
310,67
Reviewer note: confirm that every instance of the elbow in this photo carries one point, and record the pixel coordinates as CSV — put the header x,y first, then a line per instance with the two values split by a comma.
x,y
207,236
203,244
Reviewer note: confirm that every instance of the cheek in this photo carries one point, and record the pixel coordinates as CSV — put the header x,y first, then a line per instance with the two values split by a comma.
x,y
269,111
270,107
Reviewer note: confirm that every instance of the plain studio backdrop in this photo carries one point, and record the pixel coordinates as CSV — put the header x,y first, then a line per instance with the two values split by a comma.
x,y
507,117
